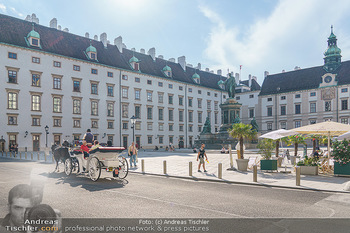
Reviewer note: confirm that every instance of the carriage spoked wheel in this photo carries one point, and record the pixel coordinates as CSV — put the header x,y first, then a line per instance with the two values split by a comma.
x,y
123,167
94,169
68,166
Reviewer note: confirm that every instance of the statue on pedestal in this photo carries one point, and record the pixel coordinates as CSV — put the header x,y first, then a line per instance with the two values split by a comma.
x,y
206,127
230,86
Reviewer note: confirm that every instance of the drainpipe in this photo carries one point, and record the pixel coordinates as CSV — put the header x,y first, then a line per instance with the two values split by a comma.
x,y
185,139
276,108
337,117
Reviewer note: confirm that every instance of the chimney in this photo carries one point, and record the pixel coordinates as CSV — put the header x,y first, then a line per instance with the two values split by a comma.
x,y
199,66
266,73
108,42
28,18
189,65
207,69
236,77
133,49
119,43
66,30
297,68
283,71
35,19
172,60
59,27
152,53
182,61
142,51
103,39
87,35
124,46
53,23
212,71
95,37
219,72
250,80
161,57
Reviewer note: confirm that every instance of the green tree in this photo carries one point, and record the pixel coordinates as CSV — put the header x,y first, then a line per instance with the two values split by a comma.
x,y
266,147
241,131
296,140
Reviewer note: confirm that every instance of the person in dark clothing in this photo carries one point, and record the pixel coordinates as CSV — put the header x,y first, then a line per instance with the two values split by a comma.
x,y
88,137
200,156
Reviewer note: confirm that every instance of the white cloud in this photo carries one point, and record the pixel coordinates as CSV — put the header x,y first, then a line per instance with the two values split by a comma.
x,y
2,7
290,34
16,12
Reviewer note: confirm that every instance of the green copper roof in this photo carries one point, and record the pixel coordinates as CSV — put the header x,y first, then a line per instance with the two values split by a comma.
x,y
91,49
166,68
195,76
221,82
34,34
133,59
333,50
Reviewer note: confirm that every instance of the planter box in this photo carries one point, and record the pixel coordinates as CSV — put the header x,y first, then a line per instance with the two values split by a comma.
x,y
341,169
268,165
242,164
309,170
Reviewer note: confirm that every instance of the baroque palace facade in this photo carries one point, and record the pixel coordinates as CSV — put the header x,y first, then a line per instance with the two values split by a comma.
x,y
301,97
67,84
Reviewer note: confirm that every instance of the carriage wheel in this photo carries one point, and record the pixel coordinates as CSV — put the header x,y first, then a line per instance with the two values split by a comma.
x,y
68,166
94,169
124,167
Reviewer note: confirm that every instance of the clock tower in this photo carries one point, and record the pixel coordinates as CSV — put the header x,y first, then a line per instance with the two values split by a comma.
x,y
332,59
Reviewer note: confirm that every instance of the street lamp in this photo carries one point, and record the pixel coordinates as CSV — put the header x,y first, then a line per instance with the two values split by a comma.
x,y
133,121
47,132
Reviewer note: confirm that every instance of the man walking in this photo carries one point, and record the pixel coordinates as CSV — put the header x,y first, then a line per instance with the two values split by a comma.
x,y
200,156
132,152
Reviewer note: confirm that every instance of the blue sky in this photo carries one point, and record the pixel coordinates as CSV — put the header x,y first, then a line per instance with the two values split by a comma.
x,y
260,35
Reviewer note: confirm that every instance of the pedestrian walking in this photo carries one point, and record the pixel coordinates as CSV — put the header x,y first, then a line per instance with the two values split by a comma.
x,y
200,156
132,152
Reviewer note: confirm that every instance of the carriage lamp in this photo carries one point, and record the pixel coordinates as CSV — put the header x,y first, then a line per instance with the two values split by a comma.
x,y
47,132
25,134
133,121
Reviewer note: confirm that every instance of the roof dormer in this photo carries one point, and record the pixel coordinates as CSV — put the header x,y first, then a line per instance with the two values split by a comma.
x,y
33,38
196,78
91,52
167,71
221,84
134,62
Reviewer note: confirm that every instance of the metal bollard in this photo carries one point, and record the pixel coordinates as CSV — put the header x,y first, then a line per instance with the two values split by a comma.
x,y
190,167
25,155
220,171
2,153
45,156
230,153
10,154
38,155
255,173
20,155
143,165
31,155
164,166
297,176
7,154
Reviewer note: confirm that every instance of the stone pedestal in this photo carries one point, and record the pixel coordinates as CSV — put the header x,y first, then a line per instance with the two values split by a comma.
x,y
229,111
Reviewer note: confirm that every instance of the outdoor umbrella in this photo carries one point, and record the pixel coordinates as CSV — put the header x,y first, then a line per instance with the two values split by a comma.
x,y
328,128
344,136
278,134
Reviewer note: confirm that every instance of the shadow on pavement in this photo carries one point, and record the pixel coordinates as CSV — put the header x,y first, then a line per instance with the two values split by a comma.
x,y
75,180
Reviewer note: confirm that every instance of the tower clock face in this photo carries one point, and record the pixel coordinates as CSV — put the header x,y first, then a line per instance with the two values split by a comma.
x,y
328,79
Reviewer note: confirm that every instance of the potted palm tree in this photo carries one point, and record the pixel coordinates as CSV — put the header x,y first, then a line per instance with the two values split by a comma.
x,y
241,131
266,147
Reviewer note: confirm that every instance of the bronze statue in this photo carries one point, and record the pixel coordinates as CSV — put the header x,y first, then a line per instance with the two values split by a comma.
x,y
237,120
254,125
206,127
230,86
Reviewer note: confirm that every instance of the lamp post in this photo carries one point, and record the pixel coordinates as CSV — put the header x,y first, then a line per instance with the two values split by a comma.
x,y
133,121
47,132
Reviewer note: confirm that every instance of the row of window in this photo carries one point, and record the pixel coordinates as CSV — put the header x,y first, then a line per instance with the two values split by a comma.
x,y
125,114
312,94
297,108
59,64
297,123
